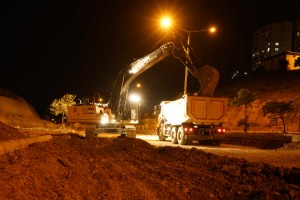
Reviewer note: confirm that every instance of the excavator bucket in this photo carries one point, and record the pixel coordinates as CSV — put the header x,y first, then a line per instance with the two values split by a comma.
x,y
208,78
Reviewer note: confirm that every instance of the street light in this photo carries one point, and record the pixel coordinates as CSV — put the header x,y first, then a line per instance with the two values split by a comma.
x,y
135,108
166,23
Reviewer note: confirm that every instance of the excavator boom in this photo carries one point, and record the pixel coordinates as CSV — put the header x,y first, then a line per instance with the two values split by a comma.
x,y
141,65
207,75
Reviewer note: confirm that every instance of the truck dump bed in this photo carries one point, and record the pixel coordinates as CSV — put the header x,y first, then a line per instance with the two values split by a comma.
x,y
206,110
196,109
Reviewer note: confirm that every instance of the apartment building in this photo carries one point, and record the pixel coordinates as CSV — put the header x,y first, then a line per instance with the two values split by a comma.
x,y
271,40
296,35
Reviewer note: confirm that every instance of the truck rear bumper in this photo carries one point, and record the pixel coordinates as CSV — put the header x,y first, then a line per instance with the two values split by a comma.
x,y
205,137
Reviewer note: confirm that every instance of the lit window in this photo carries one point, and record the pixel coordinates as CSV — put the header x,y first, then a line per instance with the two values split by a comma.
x,y
276,43
268,50
276,49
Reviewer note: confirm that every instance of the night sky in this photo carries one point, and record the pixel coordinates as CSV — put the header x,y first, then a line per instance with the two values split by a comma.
x,y
53,47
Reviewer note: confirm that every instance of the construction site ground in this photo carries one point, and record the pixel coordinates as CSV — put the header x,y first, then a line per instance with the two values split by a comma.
x,y
70,166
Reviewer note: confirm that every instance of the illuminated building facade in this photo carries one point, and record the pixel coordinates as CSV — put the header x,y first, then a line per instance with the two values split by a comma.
x,y
296,35
269,41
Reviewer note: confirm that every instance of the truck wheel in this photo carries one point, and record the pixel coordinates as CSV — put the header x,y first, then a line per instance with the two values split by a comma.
x,y
174,135
161,137
180,136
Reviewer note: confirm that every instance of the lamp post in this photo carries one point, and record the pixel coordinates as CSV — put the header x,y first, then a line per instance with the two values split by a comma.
x,y
212,30
186,68
167,23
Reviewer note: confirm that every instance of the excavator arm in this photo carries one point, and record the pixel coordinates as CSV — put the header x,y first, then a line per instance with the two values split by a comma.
x,y
141,65
207,76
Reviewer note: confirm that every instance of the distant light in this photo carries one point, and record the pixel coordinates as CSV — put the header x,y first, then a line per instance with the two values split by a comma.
x,y
135,98
212,29
134,121
238,74
104,119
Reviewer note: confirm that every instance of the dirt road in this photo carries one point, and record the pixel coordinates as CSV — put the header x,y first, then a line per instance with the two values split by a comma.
x,y
287,157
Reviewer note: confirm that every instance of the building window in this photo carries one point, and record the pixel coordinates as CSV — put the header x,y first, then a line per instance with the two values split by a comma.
x,y
276,43
276,49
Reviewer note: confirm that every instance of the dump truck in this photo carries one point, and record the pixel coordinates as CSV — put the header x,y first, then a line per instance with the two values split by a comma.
x,y
192,118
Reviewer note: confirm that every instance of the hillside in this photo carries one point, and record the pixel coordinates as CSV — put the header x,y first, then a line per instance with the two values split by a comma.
x,y
17,112
263,84
266,86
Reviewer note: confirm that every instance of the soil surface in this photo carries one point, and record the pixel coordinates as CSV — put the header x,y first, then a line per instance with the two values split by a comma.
x,y
70,166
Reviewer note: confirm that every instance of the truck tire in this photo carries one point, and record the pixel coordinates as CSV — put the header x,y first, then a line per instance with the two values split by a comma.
x,y
180,136
161,136
174,135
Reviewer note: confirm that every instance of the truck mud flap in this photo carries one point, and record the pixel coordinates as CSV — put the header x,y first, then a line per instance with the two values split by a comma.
x,y
214,142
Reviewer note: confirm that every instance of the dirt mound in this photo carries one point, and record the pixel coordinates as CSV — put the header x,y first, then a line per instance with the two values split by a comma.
x,y
70,167
9,133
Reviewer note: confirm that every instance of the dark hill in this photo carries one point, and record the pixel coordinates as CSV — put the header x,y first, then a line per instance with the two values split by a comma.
x,y
261,83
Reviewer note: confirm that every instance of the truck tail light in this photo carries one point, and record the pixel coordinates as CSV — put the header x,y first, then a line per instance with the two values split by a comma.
x,y
221,130
188,129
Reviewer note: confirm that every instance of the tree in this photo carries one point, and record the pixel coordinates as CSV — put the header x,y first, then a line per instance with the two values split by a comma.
x,y
283,110
283,64
244,98
297,62
60,106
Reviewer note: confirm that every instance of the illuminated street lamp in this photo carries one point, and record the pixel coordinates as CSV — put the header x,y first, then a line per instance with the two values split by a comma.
x,y
135,108
97,98
135,98
166,23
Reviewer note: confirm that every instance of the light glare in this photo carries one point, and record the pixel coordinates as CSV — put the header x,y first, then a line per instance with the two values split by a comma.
x,y
166,22
135,98
212,29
